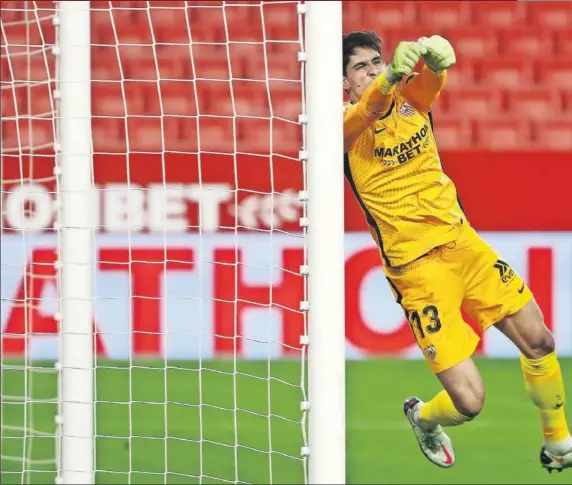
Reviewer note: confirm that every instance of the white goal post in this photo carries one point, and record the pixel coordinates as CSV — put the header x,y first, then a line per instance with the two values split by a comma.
x,y
326,228
84,399
75,229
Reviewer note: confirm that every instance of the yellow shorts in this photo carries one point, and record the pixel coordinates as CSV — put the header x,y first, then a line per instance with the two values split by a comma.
x,y
467,274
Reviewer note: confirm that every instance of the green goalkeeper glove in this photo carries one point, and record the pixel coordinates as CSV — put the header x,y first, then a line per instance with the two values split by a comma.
x,y
440,55
405,58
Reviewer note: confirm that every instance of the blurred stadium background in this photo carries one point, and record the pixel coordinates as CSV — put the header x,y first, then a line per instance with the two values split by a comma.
x,y
504,128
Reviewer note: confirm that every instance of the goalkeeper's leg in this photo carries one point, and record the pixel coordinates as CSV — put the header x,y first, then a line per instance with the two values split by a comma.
x,y
543,381
461,400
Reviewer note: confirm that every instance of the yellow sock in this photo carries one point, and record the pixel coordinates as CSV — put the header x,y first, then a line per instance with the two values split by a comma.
x,y
543,380
441,410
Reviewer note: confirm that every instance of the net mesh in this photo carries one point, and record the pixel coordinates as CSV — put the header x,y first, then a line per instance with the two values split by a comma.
x,y
28,387
199,370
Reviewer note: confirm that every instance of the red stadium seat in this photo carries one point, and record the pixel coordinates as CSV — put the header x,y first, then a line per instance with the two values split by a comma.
x,y
555,74
551,15
37,67
123,14
187,131
248,61
534,104
105,64
117,99
250,98
242,98
391,36
135,52
371,15
13,102
164,67
453,133
108,135
352,16
23,38
213,18
526,43
27,134
40,100
505,73
474,103
211,3
554,135
253,135
216,135
99,15
473,42
286,32
463,75
440,107
121,34
256,61
11,11
177,98
280,21
144,134
500,14
503,134
171,126
211,69
184,52
442,15
5,67
286,138
286,100
214,98
283,61
245,24
564,43
166,16
567,102
211,61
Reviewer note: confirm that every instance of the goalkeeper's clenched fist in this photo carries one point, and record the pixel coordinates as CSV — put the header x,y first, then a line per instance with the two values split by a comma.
x,y
436,51
439,54
405,58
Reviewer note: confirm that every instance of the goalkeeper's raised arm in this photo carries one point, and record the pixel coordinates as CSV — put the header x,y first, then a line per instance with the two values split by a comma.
x,y
370,83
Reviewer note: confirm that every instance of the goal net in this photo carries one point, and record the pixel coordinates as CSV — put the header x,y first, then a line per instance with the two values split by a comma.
x,y
194,238
28,385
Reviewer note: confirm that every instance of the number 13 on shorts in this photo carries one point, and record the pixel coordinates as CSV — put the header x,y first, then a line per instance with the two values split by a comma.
x,y
419,328
443,344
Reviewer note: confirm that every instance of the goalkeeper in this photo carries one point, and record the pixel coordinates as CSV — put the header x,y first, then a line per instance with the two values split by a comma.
x,y
433,259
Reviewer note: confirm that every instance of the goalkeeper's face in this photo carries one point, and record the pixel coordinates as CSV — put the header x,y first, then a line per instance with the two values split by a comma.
x,y
363,67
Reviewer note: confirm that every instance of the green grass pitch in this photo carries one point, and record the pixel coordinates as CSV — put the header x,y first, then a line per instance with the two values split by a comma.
x,y
500,447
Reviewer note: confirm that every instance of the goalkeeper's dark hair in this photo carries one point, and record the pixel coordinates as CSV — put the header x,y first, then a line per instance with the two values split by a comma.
x,y
359,38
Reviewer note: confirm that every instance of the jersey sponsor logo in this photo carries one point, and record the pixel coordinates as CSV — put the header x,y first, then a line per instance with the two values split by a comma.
x,y
505,271
377,132
402,152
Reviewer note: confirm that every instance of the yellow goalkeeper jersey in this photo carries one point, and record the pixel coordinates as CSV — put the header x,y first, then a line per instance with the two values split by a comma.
x,y
394,170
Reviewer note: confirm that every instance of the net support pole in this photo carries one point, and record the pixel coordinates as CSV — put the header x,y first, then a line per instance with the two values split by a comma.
x,y
76,247
326,261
